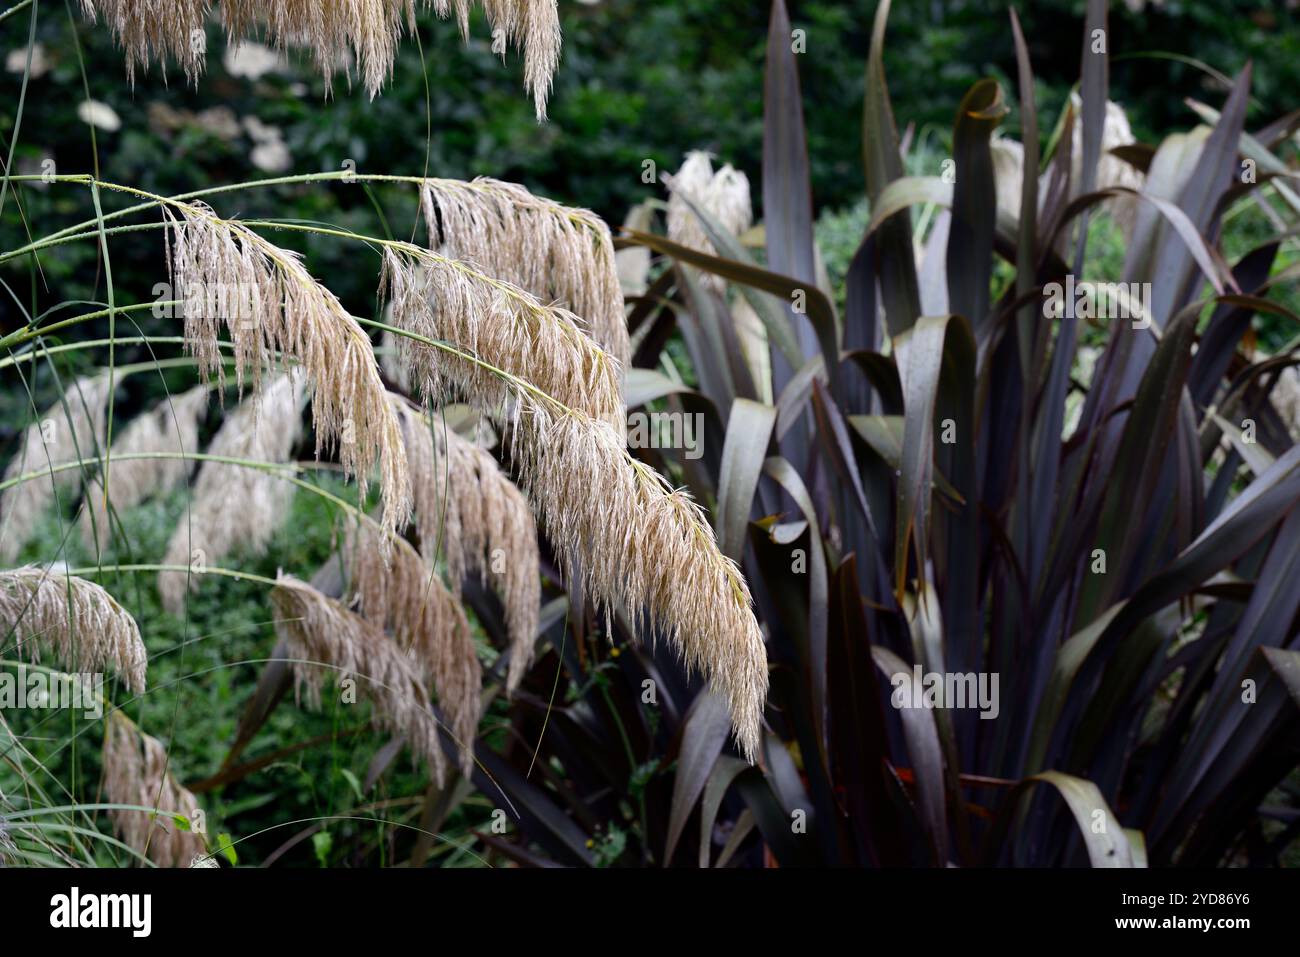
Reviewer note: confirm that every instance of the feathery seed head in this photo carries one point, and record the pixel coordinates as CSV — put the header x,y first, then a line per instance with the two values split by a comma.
x,y
136,771
645,550
557,253
724,195
172,426
76,622
500,325
407,597
278,305
236,507
469,512
71,430
324,636
334,30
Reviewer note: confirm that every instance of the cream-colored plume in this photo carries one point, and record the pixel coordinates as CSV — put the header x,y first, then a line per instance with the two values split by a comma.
x,y
334,30
237,507
75,622
137,772
323,637
723,195
470,513
558,253
390,358
409,599
170,427
263,295
69,431
646,551
500,325
1009,158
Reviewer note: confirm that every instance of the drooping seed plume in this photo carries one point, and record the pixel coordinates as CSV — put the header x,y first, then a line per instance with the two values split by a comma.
x,y
171,427
334,31
74,622
636,545
723,195
137,772
228,275
324,637
1111,170
237,507
499,325
644,550
557,253
71,430
468,512
407,597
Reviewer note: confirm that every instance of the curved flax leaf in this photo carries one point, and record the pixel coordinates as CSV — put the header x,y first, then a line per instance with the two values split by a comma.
x,y
774,320
787,188
748,431
820,310
1108,845
703,736
974,202
896,265
922,353
918,190
922,736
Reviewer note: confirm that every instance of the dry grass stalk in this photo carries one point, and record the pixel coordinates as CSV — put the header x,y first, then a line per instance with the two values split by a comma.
x,y
724,195
409,599
69,431
136,772
267,301
556,252
645,550
74,621
501,325
320,631
334,30
236,507
171,426
467,510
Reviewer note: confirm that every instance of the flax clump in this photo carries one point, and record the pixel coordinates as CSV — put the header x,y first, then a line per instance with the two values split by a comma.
x,y
322,635
229,275
136,772
555,252
76,622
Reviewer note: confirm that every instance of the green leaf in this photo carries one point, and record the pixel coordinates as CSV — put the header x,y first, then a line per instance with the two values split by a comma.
x,y
322,842
226,848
